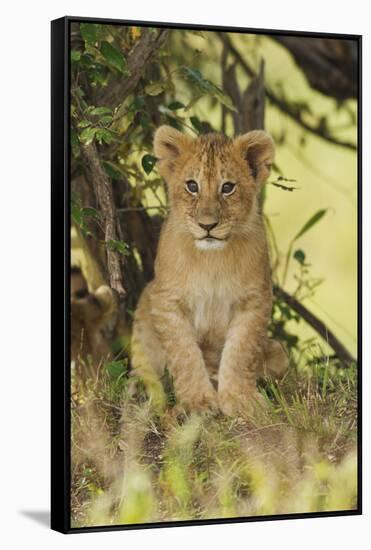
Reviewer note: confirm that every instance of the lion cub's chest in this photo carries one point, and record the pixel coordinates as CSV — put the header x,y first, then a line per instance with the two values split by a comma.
x,y
211,304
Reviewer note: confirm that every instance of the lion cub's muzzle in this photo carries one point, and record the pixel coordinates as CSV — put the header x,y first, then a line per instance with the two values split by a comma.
x,y
208,228
210,235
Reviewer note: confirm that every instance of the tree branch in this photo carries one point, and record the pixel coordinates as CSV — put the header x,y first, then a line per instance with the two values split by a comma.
x,y
140,54
103,191
319,326
330,65
286,108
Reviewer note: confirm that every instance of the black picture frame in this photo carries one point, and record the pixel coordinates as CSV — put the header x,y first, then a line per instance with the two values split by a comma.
x,y
60,278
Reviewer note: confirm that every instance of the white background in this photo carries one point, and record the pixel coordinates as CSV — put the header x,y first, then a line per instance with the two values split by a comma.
x,y
24,271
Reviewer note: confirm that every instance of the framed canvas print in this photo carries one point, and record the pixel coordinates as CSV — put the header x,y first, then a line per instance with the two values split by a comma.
x,y
206,274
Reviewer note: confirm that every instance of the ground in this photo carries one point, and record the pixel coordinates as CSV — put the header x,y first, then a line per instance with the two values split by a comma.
x,y
132,464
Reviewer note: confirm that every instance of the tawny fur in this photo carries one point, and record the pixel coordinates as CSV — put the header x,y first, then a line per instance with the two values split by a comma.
x,y
90,311
205,314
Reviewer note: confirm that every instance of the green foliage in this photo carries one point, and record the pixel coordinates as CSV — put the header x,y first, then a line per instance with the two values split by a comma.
x,y
205,87
155,88
168,383
175,106
87,135
148,163
75,55
113,170
313,220
114,58
90,32
95,124
99,61
81,215
310,223
98,111
118,246
195,121
299,256
117,368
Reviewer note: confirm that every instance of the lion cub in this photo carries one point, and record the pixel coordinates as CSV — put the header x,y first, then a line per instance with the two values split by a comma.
x,y
90,312
205,314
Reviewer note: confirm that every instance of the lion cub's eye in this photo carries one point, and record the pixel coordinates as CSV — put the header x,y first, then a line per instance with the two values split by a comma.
x,y
192,186
228,188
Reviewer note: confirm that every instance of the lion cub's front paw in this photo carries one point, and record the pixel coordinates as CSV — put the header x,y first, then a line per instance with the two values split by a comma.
x,y
237,404
199,399
276,360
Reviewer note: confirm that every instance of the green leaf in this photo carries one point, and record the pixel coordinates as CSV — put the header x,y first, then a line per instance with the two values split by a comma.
x,y
205,86
76,213
84,123
74,142
75,56
195,77
104,135
106,120
148,163
175,105
79,92
101,111
116,368
87,135
311,222
87,61
90,32
138,103
119,246
223,98
144,120
168,383
79,215
90,212
299,255
98,75
196,123
155,88
112,170
174,122
113,56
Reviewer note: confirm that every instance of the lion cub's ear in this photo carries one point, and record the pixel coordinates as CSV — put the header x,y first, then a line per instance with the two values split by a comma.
x,y
168,144
257,148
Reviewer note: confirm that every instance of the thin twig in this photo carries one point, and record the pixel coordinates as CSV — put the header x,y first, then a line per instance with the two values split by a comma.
x,y
141,208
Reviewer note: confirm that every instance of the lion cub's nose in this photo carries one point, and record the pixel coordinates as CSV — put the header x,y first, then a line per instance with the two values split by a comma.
x,y
208,226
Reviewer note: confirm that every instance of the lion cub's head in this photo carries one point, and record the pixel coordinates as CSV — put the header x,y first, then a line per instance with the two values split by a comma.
x,y
213,182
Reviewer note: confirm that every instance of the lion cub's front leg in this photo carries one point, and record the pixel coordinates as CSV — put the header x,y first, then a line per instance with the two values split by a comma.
x,y
241,358
183,357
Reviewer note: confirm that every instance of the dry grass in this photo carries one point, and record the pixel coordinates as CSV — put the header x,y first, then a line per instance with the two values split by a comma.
x,y
131,464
